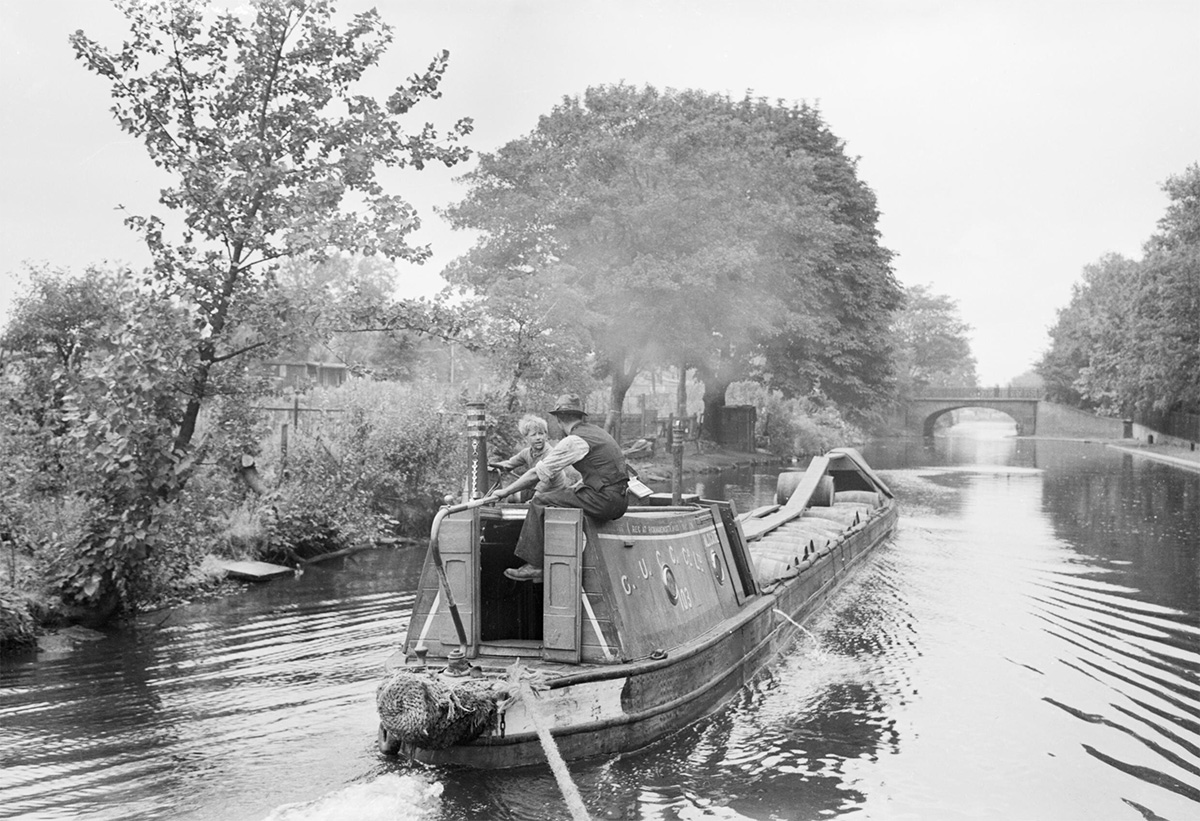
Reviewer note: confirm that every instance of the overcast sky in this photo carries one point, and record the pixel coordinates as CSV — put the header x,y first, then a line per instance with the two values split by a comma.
x,y
1009,143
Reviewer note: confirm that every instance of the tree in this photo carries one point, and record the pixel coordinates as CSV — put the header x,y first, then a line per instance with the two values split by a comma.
x,y
1129,340
843,294
123,409
527,333
325,297
57,317
1087,360
1028,379
259,125
837,290
273,155
932,342
1167,312
56,320
657,215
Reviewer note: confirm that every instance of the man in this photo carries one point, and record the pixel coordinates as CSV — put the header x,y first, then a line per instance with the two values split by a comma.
x,y
600,493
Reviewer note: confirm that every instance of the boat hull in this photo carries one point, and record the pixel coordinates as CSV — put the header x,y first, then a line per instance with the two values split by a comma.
x,y
606,709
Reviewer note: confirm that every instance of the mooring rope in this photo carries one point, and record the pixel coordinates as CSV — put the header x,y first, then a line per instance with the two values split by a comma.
x,y
819,652
557,765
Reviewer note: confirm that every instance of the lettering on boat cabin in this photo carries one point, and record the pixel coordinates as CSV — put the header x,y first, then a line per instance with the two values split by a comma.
x,y
670,576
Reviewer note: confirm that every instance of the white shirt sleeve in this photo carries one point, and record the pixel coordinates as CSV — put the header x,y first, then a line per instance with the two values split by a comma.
x,y
568,451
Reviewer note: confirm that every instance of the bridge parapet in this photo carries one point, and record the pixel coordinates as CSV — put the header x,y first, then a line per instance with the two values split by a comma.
x,y
974,392
1027,407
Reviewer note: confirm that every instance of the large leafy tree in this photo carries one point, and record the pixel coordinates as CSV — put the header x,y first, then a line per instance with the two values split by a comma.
x,y
842,293
1129,340
932,343
273,154
1087,360
1167,312
659,217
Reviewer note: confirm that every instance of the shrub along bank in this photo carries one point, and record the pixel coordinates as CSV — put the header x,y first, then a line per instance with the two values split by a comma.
x,y
374,466
377,465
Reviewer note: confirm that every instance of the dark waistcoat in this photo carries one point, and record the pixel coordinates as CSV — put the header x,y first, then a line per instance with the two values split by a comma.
x,y
604,464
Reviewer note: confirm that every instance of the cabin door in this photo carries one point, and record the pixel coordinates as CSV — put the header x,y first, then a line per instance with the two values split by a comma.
x,y
563,584
457,542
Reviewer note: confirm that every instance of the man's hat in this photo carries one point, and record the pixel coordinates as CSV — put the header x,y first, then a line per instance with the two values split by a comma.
x,y
569,403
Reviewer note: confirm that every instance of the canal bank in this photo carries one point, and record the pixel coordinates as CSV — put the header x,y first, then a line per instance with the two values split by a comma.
x,y
1181,457
659,466
31,620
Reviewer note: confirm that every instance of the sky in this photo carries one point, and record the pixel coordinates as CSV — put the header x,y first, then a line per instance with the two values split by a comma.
x,y
1009,143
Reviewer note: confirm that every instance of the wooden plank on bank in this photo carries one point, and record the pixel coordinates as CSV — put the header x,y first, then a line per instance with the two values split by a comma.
x,y
253,571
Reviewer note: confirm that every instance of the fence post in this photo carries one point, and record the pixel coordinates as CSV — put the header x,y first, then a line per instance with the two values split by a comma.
x,y
283,447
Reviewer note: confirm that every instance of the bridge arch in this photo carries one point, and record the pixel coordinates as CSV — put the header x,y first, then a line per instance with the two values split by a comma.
x,y
1020,404
930,421
1033,414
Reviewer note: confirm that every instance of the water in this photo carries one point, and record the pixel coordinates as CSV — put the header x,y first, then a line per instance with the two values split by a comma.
x,y
1028,646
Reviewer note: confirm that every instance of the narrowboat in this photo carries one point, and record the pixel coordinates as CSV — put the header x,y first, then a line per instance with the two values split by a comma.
x,y
642,625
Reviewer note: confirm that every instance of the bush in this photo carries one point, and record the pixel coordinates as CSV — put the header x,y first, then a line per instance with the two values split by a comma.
x,y
384,459
382,463
17,627
48,527
804,426
243,531
190,526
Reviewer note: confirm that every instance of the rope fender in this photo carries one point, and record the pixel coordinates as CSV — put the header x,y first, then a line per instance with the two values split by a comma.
x,y
426,711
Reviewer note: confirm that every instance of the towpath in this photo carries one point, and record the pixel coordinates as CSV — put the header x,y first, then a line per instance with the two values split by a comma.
x,y
1180,457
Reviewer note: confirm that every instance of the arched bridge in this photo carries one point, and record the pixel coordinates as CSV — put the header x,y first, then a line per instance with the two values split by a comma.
x,y
1034,415
928,404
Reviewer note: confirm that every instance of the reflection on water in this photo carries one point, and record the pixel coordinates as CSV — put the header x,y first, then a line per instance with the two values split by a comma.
x,y
1027,647
212,708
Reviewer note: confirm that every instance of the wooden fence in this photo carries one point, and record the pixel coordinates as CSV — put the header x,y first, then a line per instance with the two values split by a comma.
x,y
287,420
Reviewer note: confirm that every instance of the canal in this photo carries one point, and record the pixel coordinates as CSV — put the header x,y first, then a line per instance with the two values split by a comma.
x,y
1028,646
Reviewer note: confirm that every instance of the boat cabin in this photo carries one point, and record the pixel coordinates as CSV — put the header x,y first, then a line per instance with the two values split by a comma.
x,y
621,591
617,592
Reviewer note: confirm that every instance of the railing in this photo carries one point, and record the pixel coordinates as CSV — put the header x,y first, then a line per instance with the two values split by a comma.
x,y
1179,425
996,392
293,414
287,422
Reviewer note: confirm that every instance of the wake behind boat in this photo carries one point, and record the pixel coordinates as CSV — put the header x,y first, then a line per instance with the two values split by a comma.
x,y
643,625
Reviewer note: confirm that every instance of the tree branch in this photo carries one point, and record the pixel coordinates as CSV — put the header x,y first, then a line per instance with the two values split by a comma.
x,y
238,352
